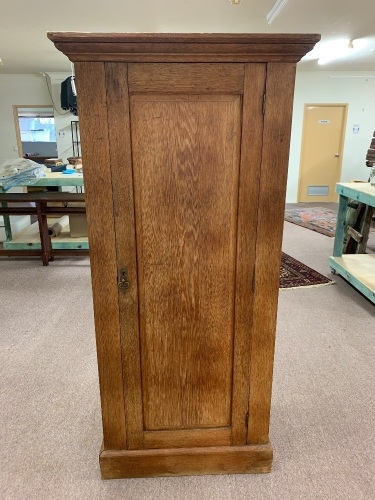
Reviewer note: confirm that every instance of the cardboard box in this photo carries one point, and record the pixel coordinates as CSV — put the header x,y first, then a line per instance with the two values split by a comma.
x,y
78,225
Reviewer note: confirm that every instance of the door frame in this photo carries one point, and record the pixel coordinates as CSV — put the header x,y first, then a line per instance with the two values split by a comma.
x,y
17,124
303,139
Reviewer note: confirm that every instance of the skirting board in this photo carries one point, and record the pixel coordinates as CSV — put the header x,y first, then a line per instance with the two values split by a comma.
x,y
117,464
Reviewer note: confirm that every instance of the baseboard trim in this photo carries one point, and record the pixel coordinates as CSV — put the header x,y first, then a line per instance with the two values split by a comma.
x,y
117,464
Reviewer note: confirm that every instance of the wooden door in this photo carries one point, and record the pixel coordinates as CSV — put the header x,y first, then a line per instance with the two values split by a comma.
x,y
321,156
186,234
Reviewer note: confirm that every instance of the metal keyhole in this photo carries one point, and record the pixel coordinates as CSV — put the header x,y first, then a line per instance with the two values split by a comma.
x,y
123,283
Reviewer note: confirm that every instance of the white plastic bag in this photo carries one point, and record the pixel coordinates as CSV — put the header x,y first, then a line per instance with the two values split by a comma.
x,y
20,172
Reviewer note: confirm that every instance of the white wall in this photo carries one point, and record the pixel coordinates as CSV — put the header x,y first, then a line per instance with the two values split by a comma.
x,y
32,90
17,89
319,88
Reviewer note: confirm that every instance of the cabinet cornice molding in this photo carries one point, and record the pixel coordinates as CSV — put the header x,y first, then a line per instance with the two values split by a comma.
x,y
183,47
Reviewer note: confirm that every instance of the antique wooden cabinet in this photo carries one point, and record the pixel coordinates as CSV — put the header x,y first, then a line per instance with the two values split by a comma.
x,y
185,142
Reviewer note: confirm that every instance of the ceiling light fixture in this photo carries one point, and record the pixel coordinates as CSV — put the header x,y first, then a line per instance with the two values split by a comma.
x,y
338,50
275,11
235,2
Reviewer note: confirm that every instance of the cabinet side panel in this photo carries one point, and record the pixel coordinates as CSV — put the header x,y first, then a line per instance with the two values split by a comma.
x,y
122,176
251,151
99,205
186,162
276,136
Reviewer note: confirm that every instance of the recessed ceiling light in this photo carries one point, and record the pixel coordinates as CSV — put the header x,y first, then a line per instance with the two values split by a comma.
x,y
275,11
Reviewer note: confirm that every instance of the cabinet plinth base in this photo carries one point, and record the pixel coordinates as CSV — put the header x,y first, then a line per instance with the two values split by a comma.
x,y
116,464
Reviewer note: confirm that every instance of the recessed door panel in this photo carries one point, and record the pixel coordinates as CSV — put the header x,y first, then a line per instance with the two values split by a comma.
x,y
186,166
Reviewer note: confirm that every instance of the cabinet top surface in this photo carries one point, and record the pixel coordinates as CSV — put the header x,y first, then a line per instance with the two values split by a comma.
x,y
86,37
183,47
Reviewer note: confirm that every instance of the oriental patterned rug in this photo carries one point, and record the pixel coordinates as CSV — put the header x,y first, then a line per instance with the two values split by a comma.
x,y
319,219
294,274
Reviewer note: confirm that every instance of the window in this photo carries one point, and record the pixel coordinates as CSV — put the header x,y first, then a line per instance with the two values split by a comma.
x,y
37,129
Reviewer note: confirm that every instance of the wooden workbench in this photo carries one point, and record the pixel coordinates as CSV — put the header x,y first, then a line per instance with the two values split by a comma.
x,y
51,179
357,269
42,204
28,241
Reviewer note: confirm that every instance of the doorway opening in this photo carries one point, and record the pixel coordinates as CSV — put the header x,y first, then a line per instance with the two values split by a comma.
x,y
36,132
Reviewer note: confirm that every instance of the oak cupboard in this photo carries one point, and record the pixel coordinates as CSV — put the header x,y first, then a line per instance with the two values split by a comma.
x,y
185,141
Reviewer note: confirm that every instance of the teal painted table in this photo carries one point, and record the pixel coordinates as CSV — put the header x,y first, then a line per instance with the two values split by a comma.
x,y
55,179
59,179
31,241
357,269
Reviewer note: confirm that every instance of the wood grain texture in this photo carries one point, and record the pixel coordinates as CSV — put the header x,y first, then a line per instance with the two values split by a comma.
x,y
189,438
276,135
171,47
251,156
186,78
341,226
186,461
214,38
122,178
90,79
186,161
45,239
187,49
180,57
187,194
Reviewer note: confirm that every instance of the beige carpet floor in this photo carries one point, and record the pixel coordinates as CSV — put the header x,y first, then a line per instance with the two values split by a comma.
x,y
323,412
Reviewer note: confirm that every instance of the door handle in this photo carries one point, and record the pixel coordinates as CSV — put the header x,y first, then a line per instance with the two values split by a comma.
x,y
337,155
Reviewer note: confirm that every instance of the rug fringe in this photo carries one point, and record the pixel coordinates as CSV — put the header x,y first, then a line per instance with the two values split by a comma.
x,y
307,286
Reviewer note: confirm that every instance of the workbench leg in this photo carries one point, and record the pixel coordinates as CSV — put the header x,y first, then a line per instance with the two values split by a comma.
x,y
45,239
341,226
354,217
7,226
365,229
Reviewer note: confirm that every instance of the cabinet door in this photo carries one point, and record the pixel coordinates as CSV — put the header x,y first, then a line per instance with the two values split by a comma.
x,y
185,144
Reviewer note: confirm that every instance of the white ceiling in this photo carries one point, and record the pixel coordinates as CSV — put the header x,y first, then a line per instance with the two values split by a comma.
x,y
24,47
